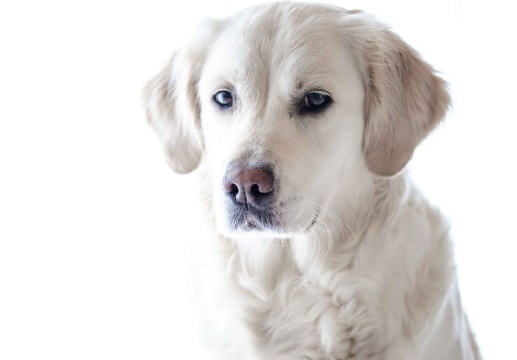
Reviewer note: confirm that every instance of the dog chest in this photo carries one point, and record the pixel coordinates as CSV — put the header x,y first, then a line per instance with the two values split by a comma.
x,y
297,317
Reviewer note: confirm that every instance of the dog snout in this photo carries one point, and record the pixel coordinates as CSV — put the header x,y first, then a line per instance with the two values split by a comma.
x,y
248,185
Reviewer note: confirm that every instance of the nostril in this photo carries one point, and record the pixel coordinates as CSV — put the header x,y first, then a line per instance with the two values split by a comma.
x,y
254,190
231,188
234,190
265,187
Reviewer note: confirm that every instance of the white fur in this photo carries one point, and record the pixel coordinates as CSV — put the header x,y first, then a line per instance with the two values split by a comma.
x,y
374,277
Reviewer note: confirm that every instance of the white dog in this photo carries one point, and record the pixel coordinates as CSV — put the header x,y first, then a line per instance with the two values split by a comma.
x,y
300,119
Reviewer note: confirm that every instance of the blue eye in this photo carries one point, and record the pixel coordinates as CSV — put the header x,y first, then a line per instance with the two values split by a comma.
x,y
224,99
316,101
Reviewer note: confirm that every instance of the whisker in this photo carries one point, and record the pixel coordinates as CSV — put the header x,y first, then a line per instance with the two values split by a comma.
x,y
328,67
318,54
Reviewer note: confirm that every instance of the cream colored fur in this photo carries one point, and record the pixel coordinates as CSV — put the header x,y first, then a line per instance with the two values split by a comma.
x,y
373,277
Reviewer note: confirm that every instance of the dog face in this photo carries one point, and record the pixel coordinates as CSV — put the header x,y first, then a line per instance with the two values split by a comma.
x,y
276,146
286,105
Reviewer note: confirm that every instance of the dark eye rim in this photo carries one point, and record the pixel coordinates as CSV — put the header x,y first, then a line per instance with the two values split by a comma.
x,y
307,108
222,105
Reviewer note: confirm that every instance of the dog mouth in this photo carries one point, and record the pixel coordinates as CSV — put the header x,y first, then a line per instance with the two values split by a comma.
x,y
248,218
251,223
251,219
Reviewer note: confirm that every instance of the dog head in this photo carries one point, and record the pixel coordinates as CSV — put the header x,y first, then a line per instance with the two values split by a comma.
x,y
285,105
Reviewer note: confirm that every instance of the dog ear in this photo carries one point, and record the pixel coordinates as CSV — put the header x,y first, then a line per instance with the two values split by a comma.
x,y
405,100
171,101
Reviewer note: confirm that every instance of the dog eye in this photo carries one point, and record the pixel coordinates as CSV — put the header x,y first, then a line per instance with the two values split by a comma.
x,y
316,101
224,98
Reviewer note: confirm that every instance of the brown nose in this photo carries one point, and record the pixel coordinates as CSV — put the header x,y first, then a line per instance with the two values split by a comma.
x,y
249,185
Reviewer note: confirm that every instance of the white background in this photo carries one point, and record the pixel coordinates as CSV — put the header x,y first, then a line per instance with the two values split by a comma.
x,y
91,262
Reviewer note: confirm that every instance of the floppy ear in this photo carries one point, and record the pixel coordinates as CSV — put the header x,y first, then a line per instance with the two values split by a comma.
x,y
171,101
405,100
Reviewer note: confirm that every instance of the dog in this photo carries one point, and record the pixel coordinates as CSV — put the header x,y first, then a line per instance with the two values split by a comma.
x,y
299,120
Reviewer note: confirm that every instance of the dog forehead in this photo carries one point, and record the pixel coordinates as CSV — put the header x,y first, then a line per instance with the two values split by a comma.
x,y
284,45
